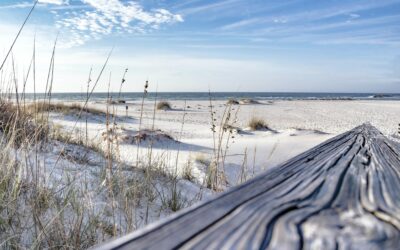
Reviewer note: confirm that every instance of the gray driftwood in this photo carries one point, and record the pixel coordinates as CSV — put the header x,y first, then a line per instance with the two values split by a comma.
x,y
342,194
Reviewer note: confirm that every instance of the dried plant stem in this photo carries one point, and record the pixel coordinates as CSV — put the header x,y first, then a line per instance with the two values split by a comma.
x,y
19,32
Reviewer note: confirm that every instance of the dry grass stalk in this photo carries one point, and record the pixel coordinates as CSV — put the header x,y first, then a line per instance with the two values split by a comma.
x,y
222,138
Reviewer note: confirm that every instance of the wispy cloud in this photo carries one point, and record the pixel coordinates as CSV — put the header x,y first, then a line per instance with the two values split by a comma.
x,y
310,15
95,19
16,6
242,23
106,17
353,23
211,6
56,2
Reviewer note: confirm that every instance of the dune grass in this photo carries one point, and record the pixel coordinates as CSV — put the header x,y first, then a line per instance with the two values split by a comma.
x,y
248,101
107,196
257,123
73,108
19,126
232,102
164,105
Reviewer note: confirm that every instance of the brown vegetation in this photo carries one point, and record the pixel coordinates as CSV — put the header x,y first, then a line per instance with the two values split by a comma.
x,y
257,123
73,108
163,105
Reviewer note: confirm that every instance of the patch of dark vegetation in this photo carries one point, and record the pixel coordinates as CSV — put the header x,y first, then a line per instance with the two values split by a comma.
x,y
163,105
19,126
73,108
233,102
257,123
248,101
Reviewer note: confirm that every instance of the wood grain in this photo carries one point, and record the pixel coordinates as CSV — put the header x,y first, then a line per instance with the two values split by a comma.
x,y
342,194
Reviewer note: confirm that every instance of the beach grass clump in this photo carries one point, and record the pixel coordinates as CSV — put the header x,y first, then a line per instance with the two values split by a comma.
x,y
19,126
257,123
187,172
232,102
211,180
202,159
174,201
74,108
163,105
248,101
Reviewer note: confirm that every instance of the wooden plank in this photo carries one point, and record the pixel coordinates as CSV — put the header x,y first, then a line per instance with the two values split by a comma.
x,y
344,193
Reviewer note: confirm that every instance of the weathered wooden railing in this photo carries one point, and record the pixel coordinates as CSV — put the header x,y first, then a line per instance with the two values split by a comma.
x,y
342,194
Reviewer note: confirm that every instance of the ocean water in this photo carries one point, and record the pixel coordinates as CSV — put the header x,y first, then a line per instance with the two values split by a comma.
x,y
134,96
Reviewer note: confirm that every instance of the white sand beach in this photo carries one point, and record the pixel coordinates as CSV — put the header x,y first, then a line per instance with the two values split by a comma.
x,y
184,142
294,126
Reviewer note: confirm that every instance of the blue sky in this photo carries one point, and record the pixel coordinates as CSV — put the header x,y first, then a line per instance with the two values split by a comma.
x,y
224,45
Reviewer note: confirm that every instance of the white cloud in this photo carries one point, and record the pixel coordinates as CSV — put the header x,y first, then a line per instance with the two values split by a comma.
x,y
241,23
16,6
56,2
354,15
119,13
106,17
